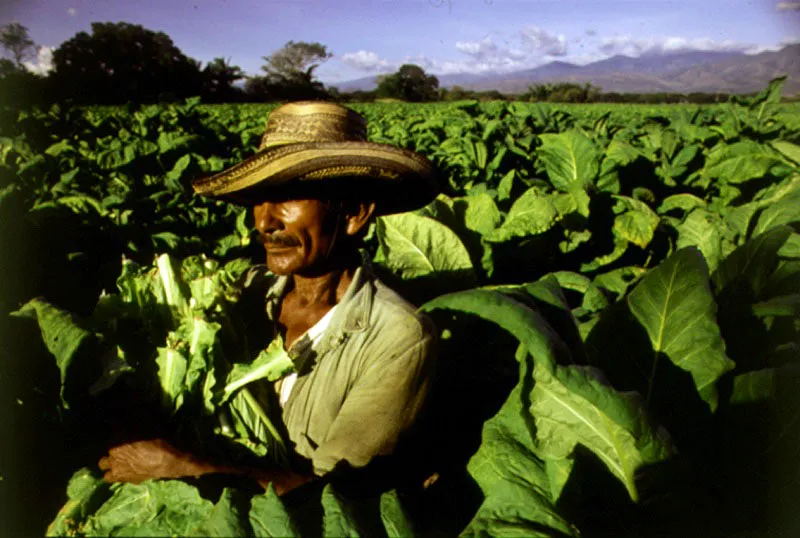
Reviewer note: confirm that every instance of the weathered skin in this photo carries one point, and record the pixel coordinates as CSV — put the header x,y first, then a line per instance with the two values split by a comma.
x,y
315,242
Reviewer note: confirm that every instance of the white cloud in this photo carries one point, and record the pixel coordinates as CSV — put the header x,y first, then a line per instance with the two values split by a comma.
x,y
366,61
43,63
471,66
71,11
487,50
535,44
532,46
537,39
630,46
478,49
789,41
788,6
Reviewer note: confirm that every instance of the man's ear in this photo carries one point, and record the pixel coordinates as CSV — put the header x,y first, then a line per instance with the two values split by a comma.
x,y
358,219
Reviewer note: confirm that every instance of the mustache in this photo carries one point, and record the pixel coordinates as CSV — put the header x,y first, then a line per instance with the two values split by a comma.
x,y
278,240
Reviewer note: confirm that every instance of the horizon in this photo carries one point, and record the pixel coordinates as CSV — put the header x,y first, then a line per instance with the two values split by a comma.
x,y
444,37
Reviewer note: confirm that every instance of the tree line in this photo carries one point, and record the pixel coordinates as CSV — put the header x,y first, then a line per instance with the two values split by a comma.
x,y
120,62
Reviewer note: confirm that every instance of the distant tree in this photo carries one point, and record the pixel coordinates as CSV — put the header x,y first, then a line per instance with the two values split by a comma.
x,y
490,95
19,87
456,93
289,73
218,79
120,62
562,92
15,41
334,93
257,89
537,92
358,96
410,83
295,62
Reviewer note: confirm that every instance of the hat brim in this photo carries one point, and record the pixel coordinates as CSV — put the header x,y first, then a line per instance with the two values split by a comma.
x,y
397,180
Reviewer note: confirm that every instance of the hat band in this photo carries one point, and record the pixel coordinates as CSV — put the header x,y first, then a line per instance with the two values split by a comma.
x,y
285,129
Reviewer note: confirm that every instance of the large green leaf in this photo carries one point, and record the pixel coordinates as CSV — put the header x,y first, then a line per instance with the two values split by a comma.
x,y
85,493
636,222
414,246
575,406
168,141
269,518
394,517
755,386
621,152
786,210
535,212
571,406
512,475
593,298
619,280
117,155
172,366
741,161
62,333
505,186
571,159
744,273
152,508
441,210
79,204
709,232
789,150
175,291
785,305
523,322
481,215
225,519
199,338
620,245
271,364
683,201
674,304
338,517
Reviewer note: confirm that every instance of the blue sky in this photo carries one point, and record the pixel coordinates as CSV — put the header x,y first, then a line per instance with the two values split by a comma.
x,y
443,36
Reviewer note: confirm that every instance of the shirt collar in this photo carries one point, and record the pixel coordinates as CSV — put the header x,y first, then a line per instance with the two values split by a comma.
x,y
353,311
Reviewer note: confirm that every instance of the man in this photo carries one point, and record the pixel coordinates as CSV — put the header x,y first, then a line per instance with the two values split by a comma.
x,y
361,355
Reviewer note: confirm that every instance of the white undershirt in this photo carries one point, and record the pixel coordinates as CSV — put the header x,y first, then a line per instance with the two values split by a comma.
x,y
314,335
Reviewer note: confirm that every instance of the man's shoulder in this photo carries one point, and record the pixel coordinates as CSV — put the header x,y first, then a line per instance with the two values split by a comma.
x,y
393,312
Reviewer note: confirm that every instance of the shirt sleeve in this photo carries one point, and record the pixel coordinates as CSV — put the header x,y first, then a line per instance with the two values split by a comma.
x,y
382,404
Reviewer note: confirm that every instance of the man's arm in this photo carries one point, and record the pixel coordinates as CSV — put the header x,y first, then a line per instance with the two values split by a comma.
x,y
380,407
155,459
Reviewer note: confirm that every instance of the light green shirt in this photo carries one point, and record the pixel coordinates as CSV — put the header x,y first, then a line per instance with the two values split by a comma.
x,y
361,384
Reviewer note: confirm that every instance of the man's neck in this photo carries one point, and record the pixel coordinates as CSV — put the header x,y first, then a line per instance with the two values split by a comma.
x,y
325,288
321,290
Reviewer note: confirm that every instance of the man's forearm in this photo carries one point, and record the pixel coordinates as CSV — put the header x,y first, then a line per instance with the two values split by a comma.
x,y
156,459
281,479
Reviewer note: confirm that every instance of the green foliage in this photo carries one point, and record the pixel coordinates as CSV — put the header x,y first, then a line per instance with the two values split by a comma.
x,y
181,317
410,83
638,269
119,62
16,41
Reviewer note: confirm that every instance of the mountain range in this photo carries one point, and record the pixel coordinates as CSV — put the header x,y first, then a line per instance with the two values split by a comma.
x,y
679,72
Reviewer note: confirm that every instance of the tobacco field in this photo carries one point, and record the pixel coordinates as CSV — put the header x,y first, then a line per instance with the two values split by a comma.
x,y
617,291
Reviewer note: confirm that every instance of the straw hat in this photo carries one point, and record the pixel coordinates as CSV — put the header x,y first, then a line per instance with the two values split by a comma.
x,y
313,145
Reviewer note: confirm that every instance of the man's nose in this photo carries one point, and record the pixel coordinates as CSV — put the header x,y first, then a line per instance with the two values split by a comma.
x,y
265,219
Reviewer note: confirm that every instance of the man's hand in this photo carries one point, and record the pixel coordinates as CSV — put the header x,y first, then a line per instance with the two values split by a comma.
x,y
152,459
142,460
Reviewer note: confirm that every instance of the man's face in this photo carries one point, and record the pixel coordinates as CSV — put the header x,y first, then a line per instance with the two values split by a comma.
x,y
297,234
